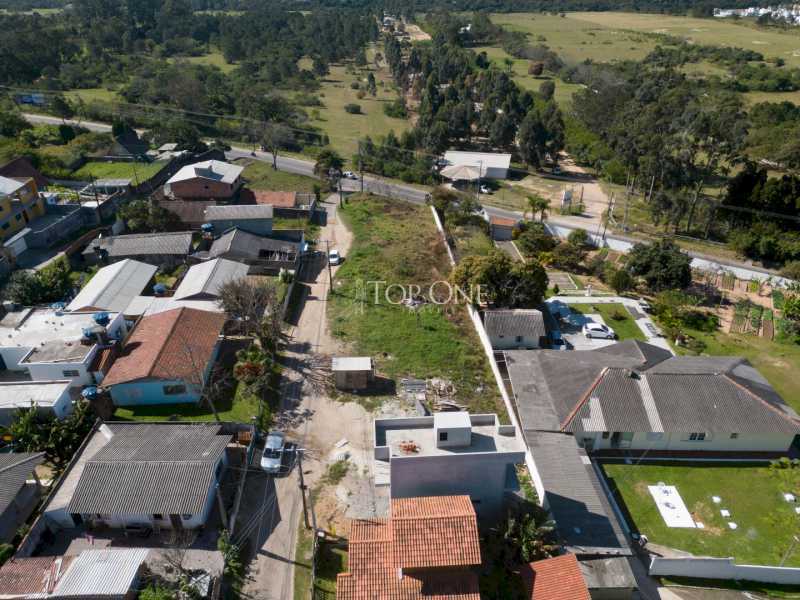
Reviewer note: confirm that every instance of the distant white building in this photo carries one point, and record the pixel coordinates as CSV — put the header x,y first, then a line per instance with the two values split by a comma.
x,y
492,165
49,397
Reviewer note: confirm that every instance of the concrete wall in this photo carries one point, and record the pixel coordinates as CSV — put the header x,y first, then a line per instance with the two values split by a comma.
x,y
204,188
481,476
720,442
722,568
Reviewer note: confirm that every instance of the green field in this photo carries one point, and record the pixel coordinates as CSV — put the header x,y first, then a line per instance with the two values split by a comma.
x,y
345,129
261,176
212,59
752,494
625,328
137,172
92,94
398,243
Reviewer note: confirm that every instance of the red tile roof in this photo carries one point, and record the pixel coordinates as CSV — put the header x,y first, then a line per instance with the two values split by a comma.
x,y
176,344
558,578
281,199
503,221
35,575
435,531
438,534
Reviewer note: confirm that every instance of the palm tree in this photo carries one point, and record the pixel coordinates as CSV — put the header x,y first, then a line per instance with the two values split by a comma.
x,y
538,204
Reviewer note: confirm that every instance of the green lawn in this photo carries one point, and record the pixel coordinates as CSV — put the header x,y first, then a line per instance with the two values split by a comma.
x,y
212,59
92,94
751,493
398,243
137,172
235,406
625,328
261,176
346,129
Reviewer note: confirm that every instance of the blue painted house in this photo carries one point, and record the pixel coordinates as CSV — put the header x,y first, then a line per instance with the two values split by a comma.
x,y
167,359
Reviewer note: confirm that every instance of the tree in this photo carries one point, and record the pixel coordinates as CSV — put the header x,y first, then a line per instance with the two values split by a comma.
x,y
23,288
621,281
352,108
319,67
662,265
255,305
541,134
61,107
534,239
275,137
372,87
537,204
568,257
329,165
536,69
579,238
145,216
503,131
49,284
547,89
503,282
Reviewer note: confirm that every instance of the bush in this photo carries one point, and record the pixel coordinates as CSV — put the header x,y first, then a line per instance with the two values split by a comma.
x,y
579,238
621,281
791,270
396,109
352,108
355,85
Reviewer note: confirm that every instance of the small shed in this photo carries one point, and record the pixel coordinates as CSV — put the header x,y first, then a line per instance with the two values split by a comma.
x,y
353,372
453,429
502,229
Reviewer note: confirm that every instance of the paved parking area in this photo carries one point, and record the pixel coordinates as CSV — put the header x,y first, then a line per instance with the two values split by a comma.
x,y
563,280
571,325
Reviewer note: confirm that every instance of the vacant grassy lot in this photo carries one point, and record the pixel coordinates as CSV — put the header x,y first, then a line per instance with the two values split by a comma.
x,y
752,494
261,176
616,317
212,59
345,129
92,94
398,243
717,32
470,240
137,172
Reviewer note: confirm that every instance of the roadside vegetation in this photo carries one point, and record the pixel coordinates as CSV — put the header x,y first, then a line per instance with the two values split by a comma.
x,y
398,243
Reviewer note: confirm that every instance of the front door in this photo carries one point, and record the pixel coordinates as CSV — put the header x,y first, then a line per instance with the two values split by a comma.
x,y
176,521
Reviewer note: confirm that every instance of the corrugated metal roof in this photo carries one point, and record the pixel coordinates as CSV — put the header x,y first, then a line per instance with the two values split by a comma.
x,y
149,469
238,211
140,244
15,469
215,170
111,572
207,278
487,160
9,186
511,323
113,287
248,244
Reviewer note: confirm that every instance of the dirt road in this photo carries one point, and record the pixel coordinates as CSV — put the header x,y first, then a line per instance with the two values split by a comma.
x,y
310,418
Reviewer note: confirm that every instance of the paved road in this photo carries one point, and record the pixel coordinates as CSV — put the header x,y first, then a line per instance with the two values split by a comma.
x,y
391,189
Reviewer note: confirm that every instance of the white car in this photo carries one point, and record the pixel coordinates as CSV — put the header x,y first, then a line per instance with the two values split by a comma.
x,y
349,175
334,258
597,330
273,452
485,190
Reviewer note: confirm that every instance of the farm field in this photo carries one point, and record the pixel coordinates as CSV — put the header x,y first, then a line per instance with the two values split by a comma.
x,y
345,129
752,494
398,243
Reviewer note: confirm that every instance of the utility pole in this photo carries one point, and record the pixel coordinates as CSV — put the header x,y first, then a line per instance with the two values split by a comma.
x,y
360,167
328,260
303,488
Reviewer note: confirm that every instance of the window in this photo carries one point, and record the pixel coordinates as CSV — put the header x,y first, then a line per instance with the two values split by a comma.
x,y
158,517
442,436
174,390
605,435
71,373
655,436
734,436
519,339
186,517
697,437
18,217
6,225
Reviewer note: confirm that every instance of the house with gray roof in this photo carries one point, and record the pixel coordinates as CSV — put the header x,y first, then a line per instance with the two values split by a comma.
x,y
19,491
633,398
515,328
205,280
166,249
114,286
265,255
253,218
133,475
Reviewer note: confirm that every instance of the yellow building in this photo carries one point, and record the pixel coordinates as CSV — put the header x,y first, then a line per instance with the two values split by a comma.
x,y
20,203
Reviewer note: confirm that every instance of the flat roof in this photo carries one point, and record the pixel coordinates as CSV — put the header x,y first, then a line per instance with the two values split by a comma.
x,y
20,394
421,431
451,419
486,160
40,327
351,363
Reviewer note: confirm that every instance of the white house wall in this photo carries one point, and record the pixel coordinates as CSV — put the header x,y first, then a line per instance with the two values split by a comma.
x,y
721,442
509,342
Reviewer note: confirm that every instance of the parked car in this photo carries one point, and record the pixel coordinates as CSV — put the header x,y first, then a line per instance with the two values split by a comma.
x,y
485,190
273,452
599,331
334,258
645,305
349,175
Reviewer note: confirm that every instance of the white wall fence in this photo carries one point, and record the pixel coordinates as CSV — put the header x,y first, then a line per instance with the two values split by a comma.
x,y
489,351
722,568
